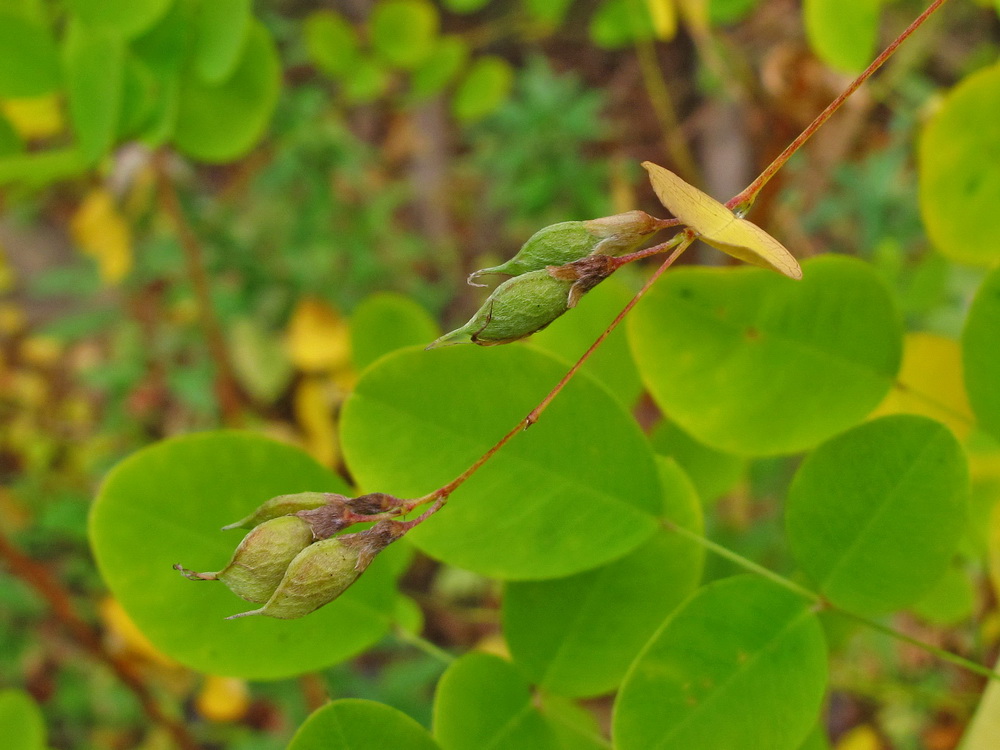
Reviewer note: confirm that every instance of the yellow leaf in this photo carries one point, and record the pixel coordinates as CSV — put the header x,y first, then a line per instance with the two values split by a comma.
x,y
126,637
930,383
34,117
223,699
718,225
103,234
313,403
664,16
318,337
861,737
695,14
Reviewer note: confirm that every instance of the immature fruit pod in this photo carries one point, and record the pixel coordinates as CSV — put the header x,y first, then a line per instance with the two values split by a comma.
x,y
517,308
324,570
260,560
284,505
562,243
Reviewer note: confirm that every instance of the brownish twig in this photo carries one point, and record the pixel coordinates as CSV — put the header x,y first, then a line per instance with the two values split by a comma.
x,y
227,389
48,587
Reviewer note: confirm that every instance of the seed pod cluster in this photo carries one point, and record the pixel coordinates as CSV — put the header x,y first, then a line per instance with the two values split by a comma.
x,y
550,273
292,563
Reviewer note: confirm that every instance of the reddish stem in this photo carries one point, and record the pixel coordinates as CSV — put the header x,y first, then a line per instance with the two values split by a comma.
x,y
746,198
42,581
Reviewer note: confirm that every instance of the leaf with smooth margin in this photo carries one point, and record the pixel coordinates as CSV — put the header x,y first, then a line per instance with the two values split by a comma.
x,y
843,33
386,321
484,87
981,355
741,665
874,516
749,363
221,31
577,490
957,176
95,74
29,64
129,18
571,335
483,702
441,66
331,42
713,473
355,724
403,31
21,721
577,636
718,225
165,505
220,123
930,383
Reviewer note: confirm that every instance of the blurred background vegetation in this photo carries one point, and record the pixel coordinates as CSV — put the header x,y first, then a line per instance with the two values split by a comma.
x,y
202,198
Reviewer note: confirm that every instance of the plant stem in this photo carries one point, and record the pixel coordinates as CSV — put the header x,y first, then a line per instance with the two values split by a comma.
x,y
742,202
227,390
823,604
48,587
440,496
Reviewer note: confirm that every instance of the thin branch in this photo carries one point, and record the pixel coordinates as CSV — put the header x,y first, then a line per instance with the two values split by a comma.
x,y
824,604
745,199
227,389
49,588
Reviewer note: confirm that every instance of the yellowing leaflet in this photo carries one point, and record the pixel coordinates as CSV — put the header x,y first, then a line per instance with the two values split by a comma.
x,y
719,226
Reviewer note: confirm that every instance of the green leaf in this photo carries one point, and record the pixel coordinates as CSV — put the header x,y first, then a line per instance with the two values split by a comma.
x,y
843,32
577,636
354,724
42,167
742,664
10,141
874,516
220,123
980,355
619,23
366,81
752,363
712,472
403,31
168,44
465,6
331,42
482,702
129,18
21,721
550,13
385,322
165,505
817,739
571,335
576,490
485,86
220,33
29,65
95,78
724,12
959,184
440,68
950,601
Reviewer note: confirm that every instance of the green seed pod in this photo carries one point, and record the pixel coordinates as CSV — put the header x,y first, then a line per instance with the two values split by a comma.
x,y
562,243
517,308
260,560
324,570
284,505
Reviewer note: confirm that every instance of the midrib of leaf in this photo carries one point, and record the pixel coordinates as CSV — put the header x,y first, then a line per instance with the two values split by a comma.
x,y
888,501
508,726
770,645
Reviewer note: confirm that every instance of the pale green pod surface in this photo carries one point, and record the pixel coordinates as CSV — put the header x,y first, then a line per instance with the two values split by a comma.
x,y
285,505
567,241
517,308
318,575
259,563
